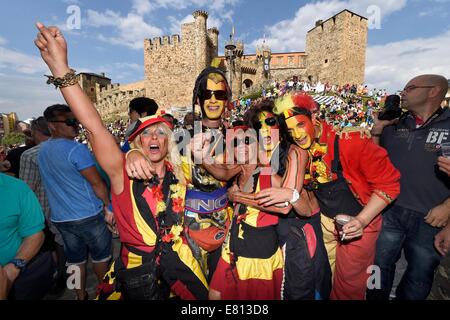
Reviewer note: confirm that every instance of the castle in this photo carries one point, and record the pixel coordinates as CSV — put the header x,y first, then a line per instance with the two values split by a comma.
x,y
335,53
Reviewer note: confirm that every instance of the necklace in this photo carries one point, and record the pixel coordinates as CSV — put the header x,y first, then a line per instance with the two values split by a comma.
x,y
176,193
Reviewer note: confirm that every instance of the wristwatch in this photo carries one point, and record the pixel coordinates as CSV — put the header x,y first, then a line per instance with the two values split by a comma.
x,y
295,197
19,263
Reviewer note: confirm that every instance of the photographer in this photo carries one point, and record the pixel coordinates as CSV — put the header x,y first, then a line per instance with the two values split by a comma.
x,y
423,206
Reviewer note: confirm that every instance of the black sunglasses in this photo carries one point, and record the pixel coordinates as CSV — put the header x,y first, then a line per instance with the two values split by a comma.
x,y
269,121
219,94
246,140
68,122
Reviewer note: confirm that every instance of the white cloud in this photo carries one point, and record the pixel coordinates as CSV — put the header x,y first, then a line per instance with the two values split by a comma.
x,y
220,5
175,24
392,65
289,35
3,41
132,29
120,71
20,62
105,19
142,7
213,21
26,95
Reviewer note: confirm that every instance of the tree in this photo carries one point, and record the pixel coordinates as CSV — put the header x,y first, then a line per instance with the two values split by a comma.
x,y
14,138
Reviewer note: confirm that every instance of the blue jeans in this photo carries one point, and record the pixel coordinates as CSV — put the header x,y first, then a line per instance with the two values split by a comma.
x,y
406,229
83,235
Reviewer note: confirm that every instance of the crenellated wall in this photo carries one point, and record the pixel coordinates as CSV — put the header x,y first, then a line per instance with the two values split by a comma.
x,y
172,64
115,98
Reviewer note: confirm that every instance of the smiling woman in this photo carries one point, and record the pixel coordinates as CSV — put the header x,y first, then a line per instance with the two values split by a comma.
x,y
149,214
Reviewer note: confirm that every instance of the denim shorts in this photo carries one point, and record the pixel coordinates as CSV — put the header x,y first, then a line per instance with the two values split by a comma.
x,y
83,236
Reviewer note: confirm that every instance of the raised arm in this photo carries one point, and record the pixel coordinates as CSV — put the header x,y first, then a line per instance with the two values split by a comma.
x,y
53,49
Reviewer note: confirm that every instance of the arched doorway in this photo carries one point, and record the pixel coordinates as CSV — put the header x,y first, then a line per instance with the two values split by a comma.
x,y
248,83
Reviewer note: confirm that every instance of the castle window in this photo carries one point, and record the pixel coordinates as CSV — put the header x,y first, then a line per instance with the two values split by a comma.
x,y
326,61
302,63
248,83
290,60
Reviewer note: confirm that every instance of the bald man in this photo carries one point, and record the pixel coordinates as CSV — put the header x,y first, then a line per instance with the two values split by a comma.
x,y
423,206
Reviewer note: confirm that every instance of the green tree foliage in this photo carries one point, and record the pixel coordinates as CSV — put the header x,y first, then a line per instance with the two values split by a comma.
x,y
14,138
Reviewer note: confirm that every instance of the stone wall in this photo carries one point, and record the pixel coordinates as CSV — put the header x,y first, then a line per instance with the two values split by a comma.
x,y
91,82
113,100
336,49
171,67
288,73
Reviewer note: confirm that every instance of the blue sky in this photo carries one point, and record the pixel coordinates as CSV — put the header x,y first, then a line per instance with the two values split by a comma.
x,y
408,37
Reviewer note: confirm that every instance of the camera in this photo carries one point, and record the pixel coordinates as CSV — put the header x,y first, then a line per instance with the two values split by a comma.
x,y
392,108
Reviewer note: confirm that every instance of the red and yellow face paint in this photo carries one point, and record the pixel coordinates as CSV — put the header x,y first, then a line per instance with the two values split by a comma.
x,y
301,130
268,124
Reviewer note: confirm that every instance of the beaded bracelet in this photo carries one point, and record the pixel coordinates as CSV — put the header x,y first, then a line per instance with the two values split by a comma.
x,y
68,80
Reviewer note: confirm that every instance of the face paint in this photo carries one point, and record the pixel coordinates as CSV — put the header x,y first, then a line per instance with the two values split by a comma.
x,y
214,107
155,143
268,124
301,130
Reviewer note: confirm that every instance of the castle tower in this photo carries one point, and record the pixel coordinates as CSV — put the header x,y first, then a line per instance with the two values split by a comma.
x,y
336,49
213,34
201,42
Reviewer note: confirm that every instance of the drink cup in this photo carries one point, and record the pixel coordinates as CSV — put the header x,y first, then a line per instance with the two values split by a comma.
x,y
340,220
445,149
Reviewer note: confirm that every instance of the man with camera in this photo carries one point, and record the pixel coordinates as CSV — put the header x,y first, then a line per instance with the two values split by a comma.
x,y
413,143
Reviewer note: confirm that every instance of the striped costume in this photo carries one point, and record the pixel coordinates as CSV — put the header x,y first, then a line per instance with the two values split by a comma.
x,y
135,209
251,265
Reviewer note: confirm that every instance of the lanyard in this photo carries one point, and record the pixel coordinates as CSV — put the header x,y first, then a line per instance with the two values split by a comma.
x,y
436,114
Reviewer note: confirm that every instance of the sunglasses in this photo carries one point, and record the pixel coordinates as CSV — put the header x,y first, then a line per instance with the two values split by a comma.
x,y
219,94
68,122
271,122
246,140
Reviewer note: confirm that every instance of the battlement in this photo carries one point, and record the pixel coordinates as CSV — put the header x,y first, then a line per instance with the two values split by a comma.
x,y
110,87
200,13
114,99
165,41
333,20
213,30
239,49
